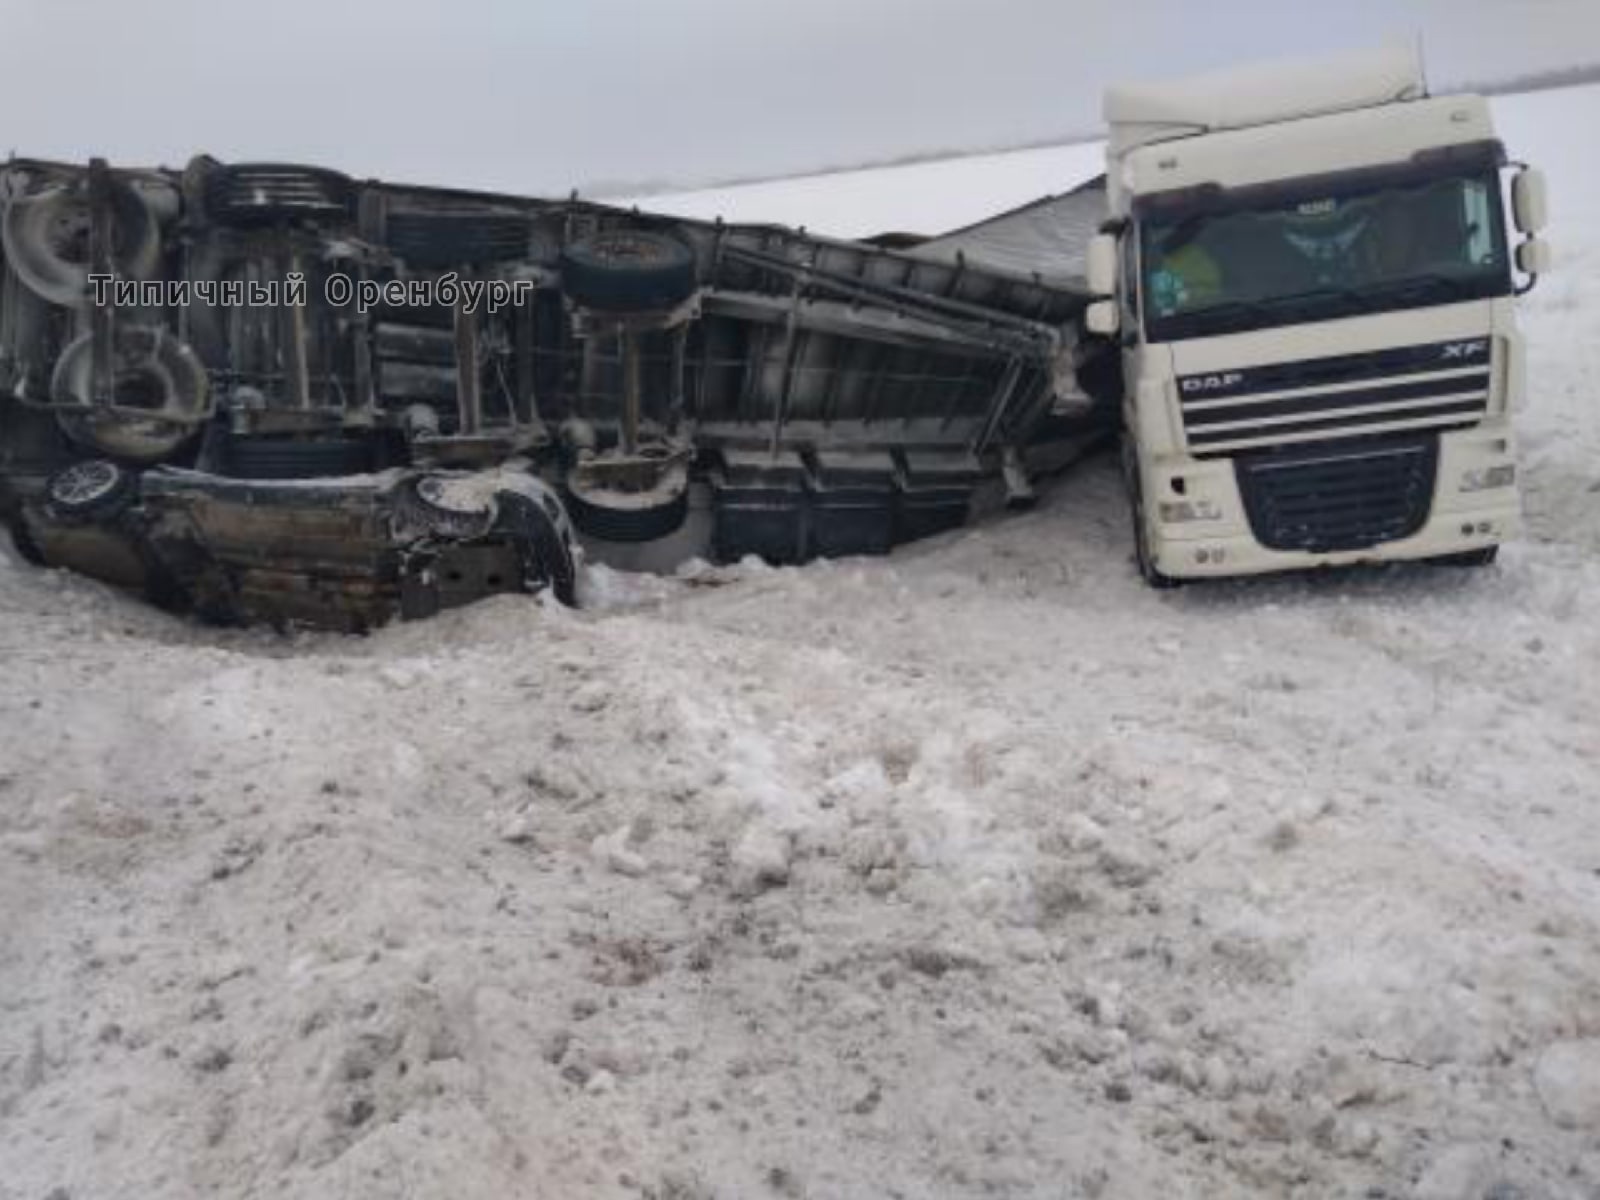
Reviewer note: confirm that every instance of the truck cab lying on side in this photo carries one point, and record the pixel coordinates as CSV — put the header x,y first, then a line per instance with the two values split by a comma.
x,y
1311,278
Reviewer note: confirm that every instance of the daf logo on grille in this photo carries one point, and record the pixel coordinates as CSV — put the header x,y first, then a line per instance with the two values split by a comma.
x,y
1464,349
1210,383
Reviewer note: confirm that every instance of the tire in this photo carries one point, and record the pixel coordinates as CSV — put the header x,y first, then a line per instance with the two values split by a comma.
x,y
151,369
547,558
89,490
22,539
46,239
1148,571
1468,558
617,524
288,458
252,194
422,508
449,238
628,270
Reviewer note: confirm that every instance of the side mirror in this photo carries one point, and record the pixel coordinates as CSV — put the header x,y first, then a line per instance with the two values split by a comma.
x,y
1102,265
1102,318
1533,256
1529,202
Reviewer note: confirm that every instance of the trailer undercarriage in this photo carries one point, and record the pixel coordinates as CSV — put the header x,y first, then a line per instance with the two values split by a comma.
x,y
269,392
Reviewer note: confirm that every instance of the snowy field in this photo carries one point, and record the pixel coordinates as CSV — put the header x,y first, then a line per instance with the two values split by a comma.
x,y
977,871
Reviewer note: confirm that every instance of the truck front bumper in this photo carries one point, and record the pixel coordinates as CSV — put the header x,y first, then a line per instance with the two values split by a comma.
x,y
1198,524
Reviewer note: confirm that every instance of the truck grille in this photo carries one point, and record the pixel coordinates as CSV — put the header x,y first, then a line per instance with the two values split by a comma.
x,y
1437,386
1339,496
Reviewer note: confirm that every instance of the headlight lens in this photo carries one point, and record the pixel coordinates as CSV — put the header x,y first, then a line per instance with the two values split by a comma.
x,y
1483,479
1174,512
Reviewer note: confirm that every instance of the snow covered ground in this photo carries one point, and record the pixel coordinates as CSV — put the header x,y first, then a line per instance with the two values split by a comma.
x,y
977,871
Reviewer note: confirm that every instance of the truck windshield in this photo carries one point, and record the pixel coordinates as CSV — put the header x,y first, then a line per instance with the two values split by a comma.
x,y
1314,257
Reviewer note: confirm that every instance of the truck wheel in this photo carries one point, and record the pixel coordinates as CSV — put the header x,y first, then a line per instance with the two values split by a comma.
x,y
249,194
636,497
628,270
1148,570
457,237
616,523
95,488
46,239
1467,558
152,370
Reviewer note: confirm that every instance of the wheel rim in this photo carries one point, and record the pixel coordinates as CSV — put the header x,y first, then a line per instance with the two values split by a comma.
x,y
85,483
68,234
153,372
46,235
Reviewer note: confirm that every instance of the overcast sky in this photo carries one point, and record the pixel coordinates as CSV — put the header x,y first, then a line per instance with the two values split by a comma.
x,y
546,95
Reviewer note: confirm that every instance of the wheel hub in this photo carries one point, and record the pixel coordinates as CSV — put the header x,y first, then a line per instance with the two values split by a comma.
x,y
84,483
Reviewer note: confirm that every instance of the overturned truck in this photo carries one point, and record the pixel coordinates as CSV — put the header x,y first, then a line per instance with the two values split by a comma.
x,y
269,392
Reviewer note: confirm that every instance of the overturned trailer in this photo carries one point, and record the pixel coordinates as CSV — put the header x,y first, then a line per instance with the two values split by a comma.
x,y
270,392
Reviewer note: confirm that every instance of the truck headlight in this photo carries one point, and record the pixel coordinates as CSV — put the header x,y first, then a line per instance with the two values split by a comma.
x,y
1173,512
1483,479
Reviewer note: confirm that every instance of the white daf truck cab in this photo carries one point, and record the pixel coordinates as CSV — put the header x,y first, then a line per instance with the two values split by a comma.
x,y
1311,276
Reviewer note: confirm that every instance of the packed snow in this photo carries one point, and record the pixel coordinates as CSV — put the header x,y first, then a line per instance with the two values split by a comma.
x,y
980,870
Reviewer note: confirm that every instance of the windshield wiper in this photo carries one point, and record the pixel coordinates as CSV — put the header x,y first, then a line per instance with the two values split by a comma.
x,y
1244,314
1427,281
1213,318
1362,302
